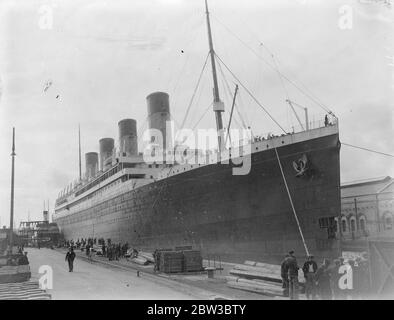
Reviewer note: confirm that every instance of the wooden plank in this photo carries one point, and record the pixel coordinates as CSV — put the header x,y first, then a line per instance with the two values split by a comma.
x,y
260,269
257,282
147,255
256,275
255,289
140,260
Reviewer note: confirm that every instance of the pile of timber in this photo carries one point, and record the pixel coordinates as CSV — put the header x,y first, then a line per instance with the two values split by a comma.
x,y
9,274
256,277
147,255
256,286
192,260
140,260
258,270
28,290
171,261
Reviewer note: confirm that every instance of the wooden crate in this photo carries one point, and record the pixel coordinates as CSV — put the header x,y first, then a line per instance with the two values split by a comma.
x,y
192,260
171,261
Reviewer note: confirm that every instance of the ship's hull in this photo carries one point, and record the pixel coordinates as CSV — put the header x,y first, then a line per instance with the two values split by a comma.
x,y
236,217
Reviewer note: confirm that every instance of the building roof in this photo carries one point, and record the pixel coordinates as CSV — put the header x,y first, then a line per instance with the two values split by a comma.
x,y
365,187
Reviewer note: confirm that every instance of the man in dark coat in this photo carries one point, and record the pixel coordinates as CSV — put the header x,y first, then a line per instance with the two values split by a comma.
x,y
103,250
338,292
292,266
309,269
70,256
23,260
326,122
323,278
285,277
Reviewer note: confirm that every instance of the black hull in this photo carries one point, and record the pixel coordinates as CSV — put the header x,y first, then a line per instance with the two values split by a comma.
x,y
236,217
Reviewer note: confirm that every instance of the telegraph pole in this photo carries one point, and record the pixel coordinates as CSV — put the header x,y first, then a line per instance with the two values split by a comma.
x,y
12,191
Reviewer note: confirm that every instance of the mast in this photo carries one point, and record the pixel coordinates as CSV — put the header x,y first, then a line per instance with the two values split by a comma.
x,y
13,154
218,105
79,145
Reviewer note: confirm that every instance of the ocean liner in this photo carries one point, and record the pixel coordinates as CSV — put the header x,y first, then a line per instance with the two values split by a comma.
x,y
289,199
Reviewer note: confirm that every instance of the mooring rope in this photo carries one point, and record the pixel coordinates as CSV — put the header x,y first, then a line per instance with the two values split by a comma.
x,y
292,205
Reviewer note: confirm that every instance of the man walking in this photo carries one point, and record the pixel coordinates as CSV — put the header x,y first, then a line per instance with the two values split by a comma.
x,y
309,269
70,256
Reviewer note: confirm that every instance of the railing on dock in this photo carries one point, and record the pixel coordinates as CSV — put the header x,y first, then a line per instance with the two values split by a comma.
x,y
215,261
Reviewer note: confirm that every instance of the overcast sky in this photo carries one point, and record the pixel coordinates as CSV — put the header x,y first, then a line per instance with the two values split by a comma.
x,y
105,57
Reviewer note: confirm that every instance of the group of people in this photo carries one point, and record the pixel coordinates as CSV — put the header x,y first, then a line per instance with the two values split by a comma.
x,y
323,282
269,137
18,260
112,251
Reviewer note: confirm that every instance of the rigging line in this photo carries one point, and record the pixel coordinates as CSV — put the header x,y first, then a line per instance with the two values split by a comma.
x,y
203,115
310,96
191,43
194,92
194,127
318,101
230,93
140,136
229,98
231,115
291,202
247,121
366,149
252,96
283,85
280,77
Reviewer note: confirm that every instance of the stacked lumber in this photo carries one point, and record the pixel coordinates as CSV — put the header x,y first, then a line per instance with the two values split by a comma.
x,y
262,278
171,261
256,286
147,255
140,260
262,271
28,290
192,260
10,274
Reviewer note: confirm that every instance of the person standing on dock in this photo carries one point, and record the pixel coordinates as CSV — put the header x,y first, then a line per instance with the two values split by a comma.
x,y
103,250
70,256
284,275
292,266
323,277
309,269
335,277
